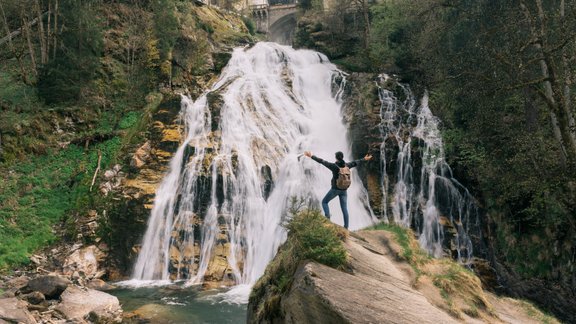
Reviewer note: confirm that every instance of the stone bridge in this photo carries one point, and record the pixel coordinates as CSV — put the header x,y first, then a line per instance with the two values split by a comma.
x,y
276,18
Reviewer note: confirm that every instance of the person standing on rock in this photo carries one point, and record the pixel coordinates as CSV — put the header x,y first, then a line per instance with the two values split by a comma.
x,y
340,181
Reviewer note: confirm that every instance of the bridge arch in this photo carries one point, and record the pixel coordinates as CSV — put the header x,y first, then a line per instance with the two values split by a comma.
x,y
282,30
276,18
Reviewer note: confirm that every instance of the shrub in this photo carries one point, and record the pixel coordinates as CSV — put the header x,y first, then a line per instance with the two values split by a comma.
x,y
310,237
250,25
315,238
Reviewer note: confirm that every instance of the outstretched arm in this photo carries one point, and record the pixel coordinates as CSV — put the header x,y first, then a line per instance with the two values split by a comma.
x,y
319,160
353,164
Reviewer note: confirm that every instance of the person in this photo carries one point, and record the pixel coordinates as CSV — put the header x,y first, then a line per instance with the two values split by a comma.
x,y
334,190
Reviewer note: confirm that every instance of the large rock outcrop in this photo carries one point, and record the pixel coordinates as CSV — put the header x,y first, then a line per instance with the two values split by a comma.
x,y
321,294
384,284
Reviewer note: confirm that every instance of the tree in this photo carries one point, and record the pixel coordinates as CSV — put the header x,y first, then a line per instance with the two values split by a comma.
x,y
552,48
78,56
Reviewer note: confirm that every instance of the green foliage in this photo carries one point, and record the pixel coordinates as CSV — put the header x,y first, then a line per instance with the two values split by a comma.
x,y
166,26
250,25
391,30
311,4
205,26
129,120
310,237
411,251
77,60
16,95
316,239
33,197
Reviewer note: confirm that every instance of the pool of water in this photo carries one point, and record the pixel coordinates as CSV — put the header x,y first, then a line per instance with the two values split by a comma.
x,y
175,304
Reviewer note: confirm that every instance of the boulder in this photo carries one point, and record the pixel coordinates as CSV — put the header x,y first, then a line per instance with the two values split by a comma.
x,y
87,304
141,155
34,297
13,310
99,284
84,261
18,282
49,286
156,313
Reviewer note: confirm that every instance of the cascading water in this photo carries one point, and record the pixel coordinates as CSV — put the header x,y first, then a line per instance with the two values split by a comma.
x,y
231,179
422,193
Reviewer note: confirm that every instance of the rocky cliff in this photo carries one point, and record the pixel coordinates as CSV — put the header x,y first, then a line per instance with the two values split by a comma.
x,y
386,282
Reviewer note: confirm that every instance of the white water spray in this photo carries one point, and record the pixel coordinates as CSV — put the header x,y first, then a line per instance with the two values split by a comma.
x,y
235,172
423,194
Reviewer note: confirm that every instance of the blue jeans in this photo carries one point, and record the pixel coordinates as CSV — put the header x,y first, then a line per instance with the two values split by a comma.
x,y
343,196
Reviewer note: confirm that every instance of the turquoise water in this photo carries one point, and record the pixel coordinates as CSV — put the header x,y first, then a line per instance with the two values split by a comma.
x,y
175,305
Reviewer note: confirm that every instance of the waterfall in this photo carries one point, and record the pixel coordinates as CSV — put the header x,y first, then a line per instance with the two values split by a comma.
x,y
230,182
421,191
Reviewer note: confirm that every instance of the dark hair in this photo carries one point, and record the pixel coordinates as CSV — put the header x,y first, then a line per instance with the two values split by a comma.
x,y
339,156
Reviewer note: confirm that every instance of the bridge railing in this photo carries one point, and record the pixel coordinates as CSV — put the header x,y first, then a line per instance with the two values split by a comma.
x,y
282,2
259,6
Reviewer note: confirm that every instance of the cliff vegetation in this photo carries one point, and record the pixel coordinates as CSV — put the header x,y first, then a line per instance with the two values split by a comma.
x,y
80,84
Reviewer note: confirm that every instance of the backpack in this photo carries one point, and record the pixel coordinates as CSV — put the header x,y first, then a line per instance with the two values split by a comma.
x,y
343,181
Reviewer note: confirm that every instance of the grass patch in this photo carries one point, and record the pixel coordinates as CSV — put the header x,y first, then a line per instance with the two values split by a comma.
x,y
39,193
34,196
411,251
314,238
310,237
535,313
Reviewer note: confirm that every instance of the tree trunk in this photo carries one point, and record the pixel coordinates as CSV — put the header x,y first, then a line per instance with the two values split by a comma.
x,y
43,58
11,46
55,35
26,27
567,93
19,31
552,90
48,31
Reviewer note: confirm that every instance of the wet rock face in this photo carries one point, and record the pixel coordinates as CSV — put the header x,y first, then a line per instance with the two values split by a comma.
x,y
361,112
132,201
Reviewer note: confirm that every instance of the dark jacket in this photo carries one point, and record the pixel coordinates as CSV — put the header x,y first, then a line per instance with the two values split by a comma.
x,y
335,168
